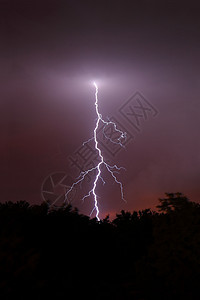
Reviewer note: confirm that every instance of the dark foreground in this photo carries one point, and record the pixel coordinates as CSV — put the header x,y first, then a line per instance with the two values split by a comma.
x,y
65,255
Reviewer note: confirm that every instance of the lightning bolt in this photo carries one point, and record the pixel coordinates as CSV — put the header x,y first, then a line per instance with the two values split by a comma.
x,y
111,169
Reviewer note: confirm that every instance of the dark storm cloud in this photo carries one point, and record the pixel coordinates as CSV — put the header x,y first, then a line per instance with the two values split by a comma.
x,y
50,52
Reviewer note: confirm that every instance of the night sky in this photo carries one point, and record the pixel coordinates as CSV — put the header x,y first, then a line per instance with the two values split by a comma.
x,y
51,51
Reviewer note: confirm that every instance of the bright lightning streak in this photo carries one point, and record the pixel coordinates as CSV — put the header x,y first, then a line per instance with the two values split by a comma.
x,y
111,169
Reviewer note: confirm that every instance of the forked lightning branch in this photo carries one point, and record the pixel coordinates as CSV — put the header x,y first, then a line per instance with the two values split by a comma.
x,y
113,170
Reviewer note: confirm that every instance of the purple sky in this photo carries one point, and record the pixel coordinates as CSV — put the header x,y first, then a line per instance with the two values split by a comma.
x,y
50,53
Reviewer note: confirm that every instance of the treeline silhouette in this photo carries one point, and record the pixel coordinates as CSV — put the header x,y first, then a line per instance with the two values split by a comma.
x,y
63,254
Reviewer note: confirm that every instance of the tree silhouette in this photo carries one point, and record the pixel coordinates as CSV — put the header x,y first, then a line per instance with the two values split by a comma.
x,y
174,201
64,254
